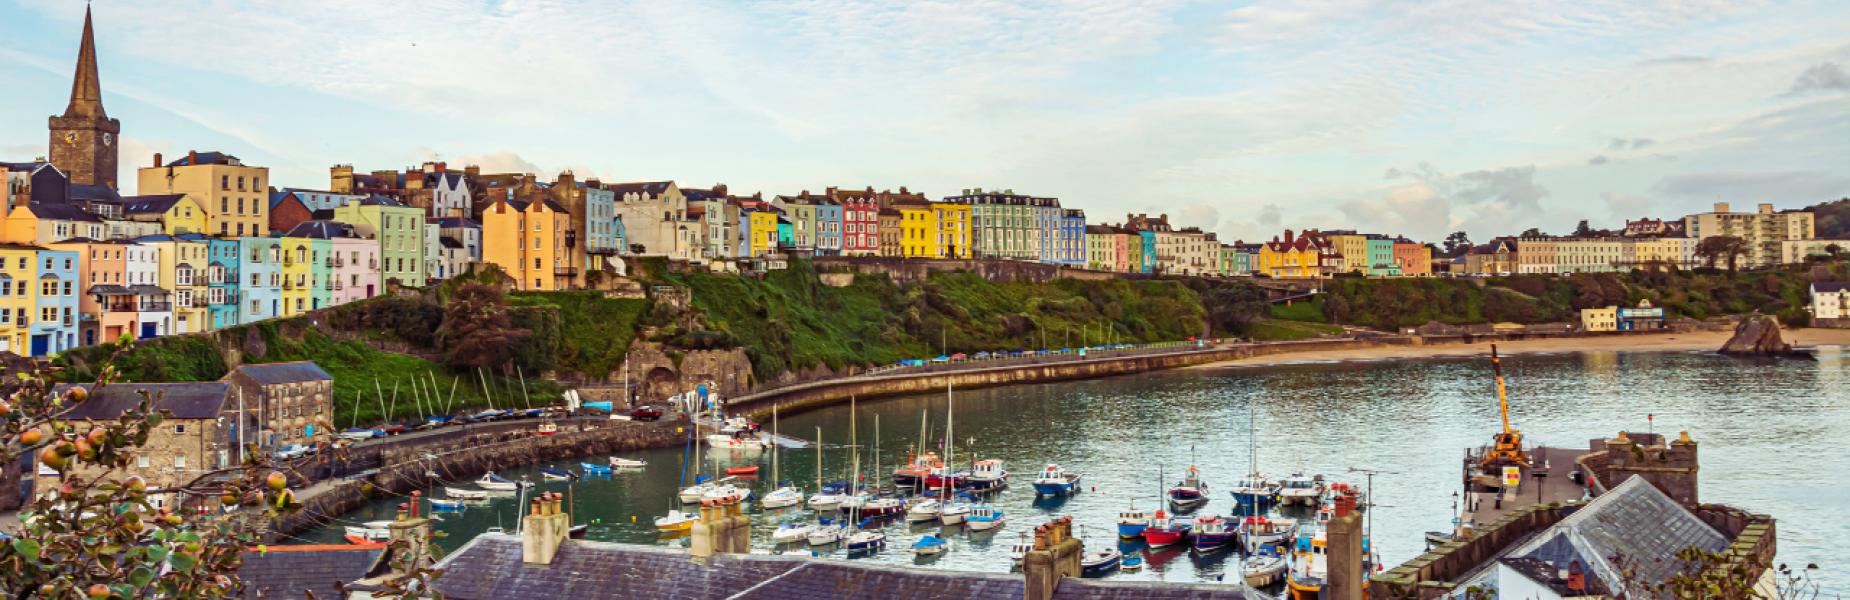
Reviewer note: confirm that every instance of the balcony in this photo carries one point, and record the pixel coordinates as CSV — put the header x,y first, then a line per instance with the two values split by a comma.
x,y
372,265
228,299
156,306
601,250
288,284
565,271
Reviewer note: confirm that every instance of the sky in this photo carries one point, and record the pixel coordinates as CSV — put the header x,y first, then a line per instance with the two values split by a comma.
x,y
1413,118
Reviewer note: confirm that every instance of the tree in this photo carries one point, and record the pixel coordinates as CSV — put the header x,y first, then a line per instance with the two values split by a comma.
x,y
476,328
1833,250
1583,230
1721,248
1234,307
1533,232
1457,243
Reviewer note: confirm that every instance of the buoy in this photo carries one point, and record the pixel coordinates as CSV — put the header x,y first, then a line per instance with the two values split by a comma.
x,y
1095,488
632,518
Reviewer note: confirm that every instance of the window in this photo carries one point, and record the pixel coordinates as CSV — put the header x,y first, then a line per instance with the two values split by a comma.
x,y
179,429
255,307
179,460
224,204
224,182
141,461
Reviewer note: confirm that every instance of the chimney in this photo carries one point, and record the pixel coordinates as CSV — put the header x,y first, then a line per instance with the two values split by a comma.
x,y
719,189
1721,207
1343,546
543,530
192,157
1766,209
902,190
1056,555
415,533
1576,577
157,160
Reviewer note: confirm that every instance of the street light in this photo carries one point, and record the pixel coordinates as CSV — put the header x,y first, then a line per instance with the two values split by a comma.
x,y
1369,518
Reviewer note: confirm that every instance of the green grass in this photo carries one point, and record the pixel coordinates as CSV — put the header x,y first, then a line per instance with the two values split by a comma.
x,y
595,331
1290,330
1311,311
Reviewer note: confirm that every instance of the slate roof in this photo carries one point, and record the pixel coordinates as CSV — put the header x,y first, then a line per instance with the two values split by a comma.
x,y
648,188
325,214
449,222
1088,589
1830,287
322,230
449,242
283,574
857,581
382,201
289,372
62,212
205,158
137,205
94,192
489,568
186,400
1545,574
1634,520
453,180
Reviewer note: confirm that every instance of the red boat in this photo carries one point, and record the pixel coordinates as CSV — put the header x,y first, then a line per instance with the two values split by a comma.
x,y
548,428
913,474
751,470
1165,530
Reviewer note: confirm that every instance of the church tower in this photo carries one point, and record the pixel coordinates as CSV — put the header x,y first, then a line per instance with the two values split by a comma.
x,y
84,139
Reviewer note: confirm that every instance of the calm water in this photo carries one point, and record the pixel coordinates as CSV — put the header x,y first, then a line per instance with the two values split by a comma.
x,y
1759,425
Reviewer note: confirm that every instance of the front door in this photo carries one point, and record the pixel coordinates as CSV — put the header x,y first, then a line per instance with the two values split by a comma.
x,y
148,330
41,345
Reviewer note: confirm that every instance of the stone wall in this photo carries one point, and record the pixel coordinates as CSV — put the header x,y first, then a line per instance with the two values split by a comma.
x,y
1424,577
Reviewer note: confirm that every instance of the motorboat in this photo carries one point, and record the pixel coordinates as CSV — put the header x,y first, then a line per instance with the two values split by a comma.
x,y
1100,562
930,544
1164,530
987,474
1021,548
1191,492
1254,492
784,496
439,504
878,506
560,474
1301,490
924,510
825,533
465,494
1258,532
370,532
913,475
956,511
862,541
548,428
1264,567
591,469
726,492
1054,481
942,477
1211,533
677,521
830,496
1132,522
492,482
624,463
984,517
792,532
702,485
735,441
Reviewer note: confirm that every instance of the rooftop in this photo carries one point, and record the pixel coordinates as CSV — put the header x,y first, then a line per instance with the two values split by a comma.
x,y
289,372
186,400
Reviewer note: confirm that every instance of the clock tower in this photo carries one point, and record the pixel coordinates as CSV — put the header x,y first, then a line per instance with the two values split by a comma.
x,y
84,139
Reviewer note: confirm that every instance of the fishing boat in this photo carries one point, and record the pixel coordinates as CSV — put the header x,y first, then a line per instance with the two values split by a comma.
x,y
942,477
913,474
677,521
1191,492
1055,481
1164,530
930,544
864,541
370,532
987,474
1301,490
736,441
1133,564
825,533
624,463
830,496
1021,548
751,470
1211,533
492,482
1100,562
784,496
792,532
1264,567
924,510
558,474
465,494
445,505
984,517
548,428
702,485
591,469
1253,491
957,510
1132,521
1259,532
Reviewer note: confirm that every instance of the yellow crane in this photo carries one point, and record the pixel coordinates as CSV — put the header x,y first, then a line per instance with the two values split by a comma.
x,y
1507,445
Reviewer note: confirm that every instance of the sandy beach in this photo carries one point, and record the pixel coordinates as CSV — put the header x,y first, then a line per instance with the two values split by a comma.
x,y
1664,343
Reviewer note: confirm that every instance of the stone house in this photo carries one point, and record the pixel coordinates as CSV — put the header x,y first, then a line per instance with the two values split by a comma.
x,y
194,440
284,403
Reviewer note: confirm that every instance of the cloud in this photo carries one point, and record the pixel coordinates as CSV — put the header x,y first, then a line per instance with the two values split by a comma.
x,y
134,154
1271,215
1204,216
1618,144
1788,188
1821,78
1626,206
1598,160
497,162
21,152
1672,61
1416,210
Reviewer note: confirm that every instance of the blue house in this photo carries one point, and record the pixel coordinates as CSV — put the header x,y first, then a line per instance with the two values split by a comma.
x,y
1149,252
260,279
55,329
828,228
222,281
1073,238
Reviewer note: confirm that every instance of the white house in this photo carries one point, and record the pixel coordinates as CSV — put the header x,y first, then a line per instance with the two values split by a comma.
x,y
1830,300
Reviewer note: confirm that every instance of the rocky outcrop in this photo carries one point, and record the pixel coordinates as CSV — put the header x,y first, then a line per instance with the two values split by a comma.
x,y
1758,335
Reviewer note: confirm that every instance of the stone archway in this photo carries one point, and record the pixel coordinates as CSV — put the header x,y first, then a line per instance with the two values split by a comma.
x,y
659,384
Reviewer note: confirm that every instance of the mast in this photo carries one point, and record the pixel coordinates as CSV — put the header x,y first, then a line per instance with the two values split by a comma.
x,y
854,439
773,446
818,460
950,439
876,446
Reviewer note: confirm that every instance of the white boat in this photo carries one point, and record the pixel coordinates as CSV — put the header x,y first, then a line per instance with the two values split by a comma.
x,y
1300,489
730,442
865,540
955,512
695,493
783,497
1100,561
370,531
926,509
726,493
1055,481
825,534
1263,568
1258,532
465,494
831,497
493,482
677,521
627,462
987,474
792,532
1021,549
984,517
440,504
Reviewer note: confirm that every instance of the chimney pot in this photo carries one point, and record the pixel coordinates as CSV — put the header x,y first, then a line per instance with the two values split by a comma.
x,y
403,512
157,160
192,157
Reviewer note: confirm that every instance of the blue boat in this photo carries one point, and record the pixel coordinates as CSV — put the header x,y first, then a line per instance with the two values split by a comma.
x,y
558,474
1212,533
930,544
1132,522
591,469
1055,481
984,517
1100,562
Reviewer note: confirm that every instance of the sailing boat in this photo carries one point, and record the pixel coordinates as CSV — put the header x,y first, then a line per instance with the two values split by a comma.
x,y
941,477
701,480
881,504
913,475
827,496
1253,491
677,520
784,495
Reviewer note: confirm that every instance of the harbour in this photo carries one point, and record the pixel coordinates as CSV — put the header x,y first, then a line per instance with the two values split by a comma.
x,y
1418,416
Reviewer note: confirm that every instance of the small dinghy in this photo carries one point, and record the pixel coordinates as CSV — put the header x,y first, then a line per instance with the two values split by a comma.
x,y
558,474
493,482
591,469
751,470
445,505
465,494
930,544
789,533
1133,564
677,521
627,462
1100,562
825,533
1438,538
925,510
865,541
1021,549
577,532
1264,567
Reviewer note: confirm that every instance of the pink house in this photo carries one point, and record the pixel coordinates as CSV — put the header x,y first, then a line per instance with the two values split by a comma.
x,y
352,279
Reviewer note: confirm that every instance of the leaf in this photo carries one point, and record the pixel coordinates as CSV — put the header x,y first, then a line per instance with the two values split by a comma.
x,y
27,548
157,553
183,562
141,576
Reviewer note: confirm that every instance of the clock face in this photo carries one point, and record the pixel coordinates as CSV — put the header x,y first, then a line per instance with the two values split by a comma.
x,y
107,138
70,138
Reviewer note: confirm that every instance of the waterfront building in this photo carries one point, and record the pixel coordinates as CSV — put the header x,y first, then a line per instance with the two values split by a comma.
x,y
890,232
860,222
1304,255
1497,257
175,214
1763,231
1538,254
1643,317
800,211
54,325
232,192
1796,251
1380,256
1197,252
312,200
719,226
953,230
1073,237
399,230
83,140
292,402
100,279
469,233
222,283
915,228
828,228
1830,300
182,267
1352,247
1101,248
438,190
655,218
1590,255
1599,319
435,265
527,241
1413,258
303,271
261,283
1004,224
1652,227
786,238
194,437
763,225
149,287
18,262
42,224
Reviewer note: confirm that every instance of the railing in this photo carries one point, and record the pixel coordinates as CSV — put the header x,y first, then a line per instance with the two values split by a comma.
x,y
119,308
601,250
565,271
228,299
372,265
328,286
288,262
156,306
288,284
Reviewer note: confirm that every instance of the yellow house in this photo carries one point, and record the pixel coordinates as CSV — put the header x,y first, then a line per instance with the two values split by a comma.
x,y
297,269
764,232
527,240
232,194
17,296
42,224
917,228
953,230
1354,249
1600,319
183,266
1291,257
177,213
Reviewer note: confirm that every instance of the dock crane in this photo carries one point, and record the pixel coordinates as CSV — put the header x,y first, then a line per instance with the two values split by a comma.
x,y
1506,446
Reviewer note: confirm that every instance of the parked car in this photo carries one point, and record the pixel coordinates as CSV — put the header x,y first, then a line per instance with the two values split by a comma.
x,y
982,355
293,451
646,413
393,428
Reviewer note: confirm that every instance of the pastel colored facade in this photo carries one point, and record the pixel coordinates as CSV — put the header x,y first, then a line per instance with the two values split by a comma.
x,y
260,279
654,216
223,283
1830,300
1497,257
1072,237
891,233
100,279
398,228
175,213
952,239
1538,255
1146,257
1589,255
18,262
1796,251
828,228
1671,251
915,229
353,280
527,241
602,245
763,231
298,267
150,288
1291,256
1353,247
1763,230
42,224
1599,319
1413,258
860,226
720,225
1198,252
1047,227
233,193
183,274
1101,249
1381,261
1004,224
55,329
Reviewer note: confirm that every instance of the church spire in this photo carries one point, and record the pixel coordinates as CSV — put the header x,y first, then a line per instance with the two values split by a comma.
x,y
86,88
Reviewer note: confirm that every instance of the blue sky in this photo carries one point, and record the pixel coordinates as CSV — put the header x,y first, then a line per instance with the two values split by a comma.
x,y
1415,118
